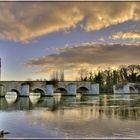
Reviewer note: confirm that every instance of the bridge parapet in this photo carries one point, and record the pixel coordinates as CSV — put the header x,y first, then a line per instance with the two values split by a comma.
x,y
23,88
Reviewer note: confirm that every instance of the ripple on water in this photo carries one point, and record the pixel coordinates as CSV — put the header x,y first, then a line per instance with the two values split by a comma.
x,y
79,119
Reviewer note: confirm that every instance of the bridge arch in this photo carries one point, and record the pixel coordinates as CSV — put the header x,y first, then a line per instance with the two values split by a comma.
x,y
82,90
61,90
39,90
132,89
15,90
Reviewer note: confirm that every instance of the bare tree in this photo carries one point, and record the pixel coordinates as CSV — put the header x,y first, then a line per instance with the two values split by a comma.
x,y
54,76
134,73
61,75
57,76
83,73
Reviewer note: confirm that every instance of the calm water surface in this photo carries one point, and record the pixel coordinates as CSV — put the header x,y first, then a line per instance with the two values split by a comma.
x,y
103,116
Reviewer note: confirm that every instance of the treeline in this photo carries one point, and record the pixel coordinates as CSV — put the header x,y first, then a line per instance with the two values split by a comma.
x,y
109,77
57,75
106,78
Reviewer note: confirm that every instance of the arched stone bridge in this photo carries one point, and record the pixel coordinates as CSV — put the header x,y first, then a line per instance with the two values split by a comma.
x,y
127,88
23,88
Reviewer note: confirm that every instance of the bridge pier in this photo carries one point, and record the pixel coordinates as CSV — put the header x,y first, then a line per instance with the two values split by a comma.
x,y
25,89
94,89
72,90
49,90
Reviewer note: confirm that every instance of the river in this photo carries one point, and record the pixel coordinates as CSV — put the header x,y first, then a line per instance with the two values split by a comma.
x,y
104,116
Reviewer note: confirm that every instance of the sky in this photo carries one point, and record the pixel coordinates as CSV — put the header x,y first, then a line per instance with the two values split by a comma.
x,y
37,38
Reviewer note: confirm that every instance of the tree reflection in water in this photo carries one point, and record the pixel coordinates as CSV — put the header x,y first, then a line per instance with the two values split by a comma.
x,y
123,107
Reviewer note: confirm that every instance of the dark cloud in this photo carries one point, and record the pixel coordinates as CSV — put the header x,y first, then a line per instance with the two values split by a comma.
x,y
89,55
24,21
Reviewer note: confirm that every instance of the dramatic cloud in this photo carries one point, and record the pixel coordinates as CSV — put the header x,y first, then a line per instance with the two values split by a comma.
x,y
126,35
88,55
22,21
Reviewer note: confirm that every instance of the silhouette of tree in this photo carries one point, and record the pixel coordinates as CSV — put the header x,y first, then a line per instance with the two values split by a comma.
x,y
83,73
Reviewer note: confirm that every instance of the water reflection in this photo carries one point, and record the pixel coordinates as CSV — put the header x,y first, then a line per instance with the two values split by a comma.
x,y
34,99
69,116
67,100
90,99
48,102
124,107
11,99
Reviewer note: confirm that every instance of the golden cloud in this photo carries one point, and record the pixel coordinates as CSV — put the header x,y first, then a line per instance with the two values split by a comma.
x,y
88,55
27,20
126,35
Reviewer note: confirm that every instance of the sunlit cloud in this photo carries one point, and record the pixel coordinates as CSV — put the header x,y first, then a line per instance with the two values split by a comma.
x,y
25,21
101,39
89,56
126,35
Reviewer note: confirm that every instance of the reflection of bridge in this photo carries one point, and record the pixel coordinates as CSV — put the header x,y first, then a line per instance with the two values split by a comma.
x,y
98,106
23,88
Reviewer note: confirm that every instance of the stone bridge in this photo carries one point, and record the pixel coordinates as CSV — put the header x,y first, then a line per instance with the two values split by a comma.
x,y
127,88
46,88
